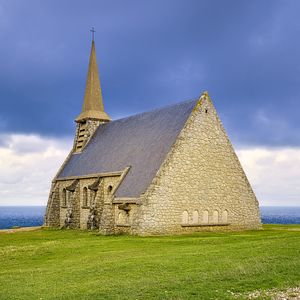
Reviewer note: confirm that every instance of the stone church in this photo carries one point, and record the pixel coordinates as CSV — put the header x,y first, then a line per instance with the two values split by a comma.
x,y
171,170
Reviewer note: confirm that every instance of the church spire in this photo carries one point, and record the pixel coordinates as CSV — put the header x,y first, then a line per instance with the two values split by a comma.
x,y
92,108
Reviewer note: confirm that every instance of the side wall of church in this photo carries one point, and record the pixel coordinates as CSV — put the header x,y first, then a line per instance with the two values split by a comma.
x,y
69,203
126,221
80,202
53,207
201,185
107,220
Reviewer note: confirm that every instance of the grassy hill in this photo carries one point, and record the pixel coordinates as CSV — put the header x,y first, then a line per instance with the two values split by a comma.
x,y
66,264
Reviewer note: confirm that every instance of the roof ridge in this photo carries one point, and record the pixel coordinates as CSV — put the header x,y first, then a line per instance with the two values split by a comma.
x,y
155,109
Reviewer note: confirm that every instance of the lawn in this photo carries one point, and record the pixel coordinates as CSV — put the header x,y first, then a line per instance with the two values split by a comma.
x,y
67,264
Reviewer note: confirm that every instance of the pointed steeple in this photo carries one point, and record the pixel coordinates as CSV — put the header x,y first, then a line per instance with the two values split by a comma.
x,y
92,108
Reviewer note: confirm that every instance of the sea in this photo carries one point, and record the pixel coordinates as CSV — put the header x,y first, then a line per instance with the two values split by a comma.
x,y
26,216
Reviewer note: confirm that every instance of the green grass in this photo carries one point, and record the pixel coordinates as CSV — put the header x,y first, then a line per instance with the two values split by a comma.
x,y
66,264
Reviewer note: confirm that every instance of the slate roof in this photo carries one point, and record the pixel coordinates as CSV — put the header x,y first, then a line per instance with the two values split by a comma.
x,y
141,141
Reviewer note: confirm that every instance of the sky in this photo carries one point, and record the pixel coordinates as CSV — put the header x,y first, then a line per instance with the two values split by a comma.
x,y
150,54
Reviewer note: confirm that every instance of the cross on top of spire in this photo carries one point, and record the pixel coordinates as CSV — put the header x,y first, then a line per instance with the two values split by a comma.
x,y
93,32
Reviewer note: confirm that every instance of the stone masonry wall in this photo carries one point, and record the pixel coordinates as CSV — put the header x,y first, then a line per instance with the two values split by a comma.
x,y
93,198
53,207
201,185
125,221
90,126
102,199
107,222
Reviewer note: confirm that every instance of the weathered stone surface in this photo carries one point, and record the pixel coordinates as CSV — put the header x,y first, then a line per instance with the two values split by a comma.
x,y
200,174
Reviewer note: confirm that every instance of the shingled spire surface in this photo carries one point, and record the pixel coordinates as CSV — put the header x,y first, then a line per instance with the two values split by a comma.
x,y
93,103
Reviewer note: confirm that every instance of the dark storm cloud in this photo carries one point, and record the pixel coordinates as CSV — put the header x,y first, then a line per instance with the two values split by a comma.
x,y
152,53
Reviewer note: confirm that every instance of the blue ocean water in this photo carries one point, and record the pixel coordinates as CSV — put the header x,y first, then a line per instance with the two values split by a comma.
x,y
280,214
33,215
24,216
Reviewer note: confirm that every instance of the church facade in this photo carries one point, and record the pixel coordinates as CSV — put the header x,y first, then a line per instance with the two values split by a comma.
x,y
172,170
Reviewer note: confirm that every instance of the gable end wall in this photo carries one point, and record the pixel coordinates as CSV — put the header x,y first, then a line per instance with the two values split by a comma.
x,y
201,173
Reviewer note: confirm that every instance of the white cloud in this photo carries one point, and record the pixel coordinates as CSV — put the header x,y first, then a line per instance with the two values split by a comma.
x,y
28,163
274,174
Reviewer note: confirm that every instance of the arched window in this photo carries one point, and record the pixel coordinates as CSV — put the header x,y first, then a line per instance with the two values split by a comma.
x,y
185,217
109,189
195,218
215,216
68,195
122,217
85,197
225,216
64,197
205,217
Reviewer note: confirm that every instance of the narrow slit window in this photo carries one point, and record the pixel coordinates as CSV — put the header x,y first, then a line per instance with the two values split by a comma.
x,y
225,216
109,189
185,217
205,217
215,216
85,197
195,218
